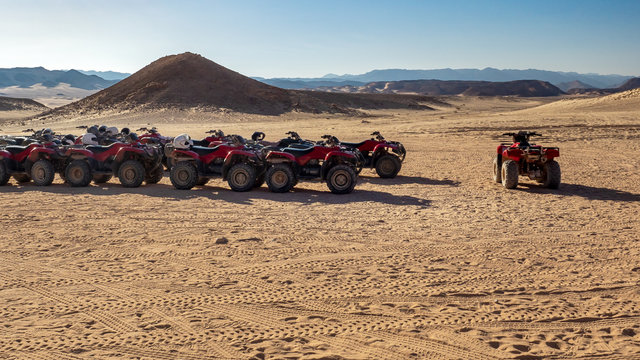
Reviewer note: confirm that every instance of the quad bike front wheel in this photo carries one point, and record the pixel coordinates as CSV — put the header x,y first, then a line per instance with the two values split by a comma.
x,y
280,178
131,173
341,179
155,175
184,175
497,171
78,173
42,172
388,166
241,177
552,174
509,174
4,173
101,178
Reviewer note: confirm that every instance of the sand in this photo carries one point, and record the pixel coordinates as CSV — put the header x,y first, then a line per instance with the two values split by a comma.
x,y
437,263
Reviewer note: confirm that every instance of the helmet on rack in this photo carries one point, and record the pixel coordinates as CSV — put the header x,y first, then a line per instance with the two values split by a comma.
x,y
89,139
93,130
68,140
125,131
182,141
112,131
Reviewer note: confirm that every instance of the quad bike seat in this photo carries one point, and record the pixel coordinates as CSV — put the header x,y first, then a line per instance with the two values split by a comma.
x,y
298,152
353,145
97,149
14,149
201,150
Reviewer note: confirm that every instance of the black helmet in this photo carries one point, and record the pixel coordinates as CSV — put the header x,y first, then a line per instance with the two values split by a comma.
x,y
132,137
102,129
257,136
125,131
93,130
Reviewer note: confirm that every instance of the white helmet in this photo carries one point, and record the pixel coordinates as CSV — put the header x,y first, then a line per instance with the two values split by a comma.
x,y
182,141
89,139
112,131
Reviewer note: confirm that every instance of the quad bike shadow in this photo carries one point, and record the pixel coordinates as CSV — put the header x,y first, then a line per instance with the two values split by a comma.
x,y
220,192
584,191
404,180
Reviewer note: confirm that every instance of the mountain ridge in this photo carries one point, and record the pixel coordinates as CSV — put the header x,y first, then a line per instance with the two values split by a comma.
x,y
487,74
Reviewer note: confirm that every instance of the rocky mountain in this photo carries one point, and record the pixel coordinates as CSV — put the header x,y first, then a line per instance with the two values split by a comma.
x,y
192,81
10,104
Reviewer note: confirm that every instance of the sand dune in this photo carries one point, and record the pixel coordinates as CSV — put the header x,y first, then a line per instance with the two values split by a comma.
x,y
437,263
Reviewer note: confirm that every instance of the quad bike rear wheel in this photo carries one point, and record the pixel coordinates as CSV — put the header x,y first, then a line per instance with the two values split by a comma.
x,y
280,178
241,177
341,179
155,175
509,174
131,173
78,173
21,178
4,174
388,166
42,172
184,175
101,178
497,171
552,174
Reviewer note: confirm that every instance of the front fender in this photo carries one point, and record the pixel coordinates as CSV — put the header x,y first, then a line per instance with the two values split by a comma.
x,y
280,157
183,154
36,153
5,155
123,152
513,154
231,155
385,146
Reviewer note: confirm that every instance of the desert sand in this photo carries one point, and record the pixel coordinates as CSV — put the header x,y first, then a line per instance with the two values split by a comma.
x,y
439,262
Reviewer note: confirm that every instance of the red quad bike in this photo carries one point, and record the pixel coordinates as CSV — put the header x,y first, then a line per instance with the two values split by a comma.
x,y
242,167
132,163
37,161
385,156
525,159
153,137
21,161
330,162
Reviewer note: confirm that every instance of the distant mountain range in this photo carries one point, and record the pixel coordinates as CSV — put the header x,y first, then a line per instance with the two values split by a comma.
x,y
107,75
556,78
522,88
27,77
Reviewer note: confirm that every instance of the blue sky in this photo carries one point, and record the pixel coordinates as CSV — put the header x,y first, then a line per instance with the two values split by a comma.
x,y
309,38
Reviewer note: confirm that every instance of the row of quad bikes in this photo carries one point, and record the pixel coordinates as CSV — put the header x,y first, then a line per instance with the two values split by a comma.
x,y
244,164
247,164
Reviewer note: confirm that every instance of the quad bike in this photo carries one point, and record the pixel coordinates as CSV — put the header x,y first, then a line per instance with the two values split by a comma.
x,y
240,166
525,159
384,156
329,162
35,162
153,137
131,162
